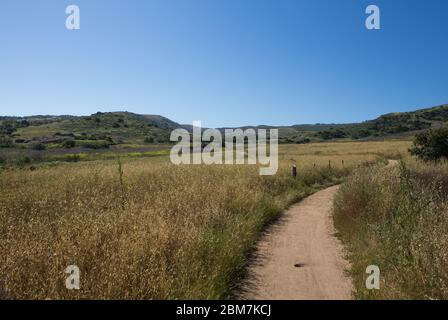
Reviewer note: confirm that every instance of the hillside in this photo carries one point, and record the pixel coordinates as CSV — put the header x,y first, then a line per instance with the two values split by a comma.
x,y
98,130
101,130
392,124
399,124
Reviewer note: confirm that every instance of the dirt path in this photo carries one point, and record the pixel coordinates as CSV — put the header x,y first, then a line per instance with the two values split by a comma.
x,y
299,257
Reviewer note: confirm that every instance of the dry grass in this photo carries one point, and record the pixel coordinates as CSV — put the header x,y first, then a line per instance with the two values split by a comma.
x,y
389,149
397,219
150,230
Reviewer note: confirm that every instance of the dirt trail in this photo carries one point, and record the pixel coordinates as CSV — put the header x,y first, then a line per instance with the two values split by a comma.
x,y
299,257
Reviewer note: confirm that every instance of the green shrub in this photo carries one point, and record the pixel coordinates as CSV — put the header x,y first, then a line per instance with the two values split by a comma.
x,y
303,141
431,145
96,144
38,146
5,142
72,157
22,160
69,144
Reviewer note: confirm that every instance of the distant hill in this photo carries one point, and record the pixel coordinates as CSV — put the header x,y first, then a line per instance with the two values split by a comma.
x,y
99,129
102,129
392,124
398,124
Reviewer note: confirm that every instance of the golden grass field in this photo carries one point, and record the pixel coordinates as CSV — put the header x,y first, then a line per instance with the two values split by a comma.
x,y
147,229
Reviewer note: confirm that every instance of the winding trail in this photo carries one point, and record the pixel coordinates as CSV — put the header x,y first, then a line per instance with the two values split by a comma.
x,y
299,257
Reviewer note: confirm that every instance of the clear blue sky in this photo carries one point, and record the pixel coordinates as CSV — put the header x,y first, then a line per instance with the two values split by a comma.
x,y
225,62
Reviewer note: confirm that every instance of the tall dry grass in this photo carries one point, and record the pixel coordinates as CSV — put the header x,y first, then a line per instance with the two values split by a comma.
x,y
397,219
145,229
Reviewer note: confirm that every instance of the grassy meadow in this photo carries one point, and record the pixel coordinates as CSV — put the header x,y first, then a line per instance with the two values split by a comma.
x,y
143,228
397,218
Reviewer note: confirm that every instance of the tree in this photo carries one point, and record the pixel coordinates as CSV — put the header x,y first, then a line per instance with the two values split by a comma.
x,y
431,145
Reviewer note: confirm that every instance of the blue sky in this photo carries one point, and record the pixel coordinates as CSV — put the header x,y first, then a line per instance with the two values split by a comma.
x,y
224,62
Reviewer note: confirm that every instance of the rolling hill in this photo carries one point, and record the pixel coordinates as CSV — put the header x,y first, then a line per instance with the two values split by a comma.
x,y
398,124
99,129
102,129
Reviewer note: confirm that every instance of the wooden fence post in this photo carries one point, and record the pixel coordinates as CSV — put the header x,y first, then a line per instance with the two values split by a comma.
x,y
294,171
